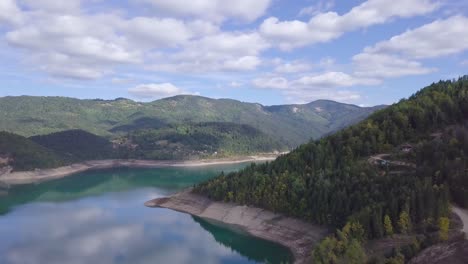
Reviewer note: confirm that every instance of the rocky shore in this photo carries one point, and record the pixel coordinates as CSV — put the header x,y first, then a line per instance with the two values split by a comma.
x,y
297,235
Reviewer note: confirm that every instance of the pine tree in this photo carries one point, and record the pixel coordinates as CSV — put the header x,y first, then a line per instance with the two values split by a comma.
x,y
404,223
388,226
444,224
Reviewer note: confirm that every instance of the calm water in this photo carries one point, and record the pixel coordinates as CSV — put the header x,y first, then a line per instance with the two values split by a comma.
x,y
99,217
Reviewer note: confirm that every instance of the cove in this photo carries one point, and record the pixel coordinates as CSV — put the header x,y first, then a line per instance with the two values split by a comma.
x,y
99,217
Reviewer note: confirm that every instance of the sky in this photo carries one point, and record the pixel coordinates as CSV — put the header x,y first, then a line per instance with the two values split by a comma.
x,y
267,51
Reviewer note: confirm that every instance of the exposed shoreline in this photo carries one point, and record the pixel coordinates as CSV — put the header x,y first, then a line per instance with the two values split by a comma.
x,y
297,235
40,175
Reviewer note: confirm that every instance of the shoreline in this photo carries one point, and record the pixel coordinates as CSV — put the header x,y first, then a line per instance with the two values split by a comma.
x,y
296,235
40,175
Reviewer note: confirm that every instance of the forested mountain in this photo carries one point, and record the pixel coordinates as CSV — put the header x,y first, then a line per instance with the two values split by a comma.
x,y
200,140
289,125
24,154
76,145
334,180
171,142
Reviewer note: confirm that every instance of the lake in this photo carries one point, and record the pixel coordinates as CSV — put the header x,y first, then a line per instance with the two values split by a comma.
x,y
99,217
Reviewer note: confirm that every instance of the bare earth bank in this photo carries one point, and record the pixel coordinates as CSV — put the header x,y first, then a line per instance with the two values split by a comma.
x,y
297,235
454,251
23,177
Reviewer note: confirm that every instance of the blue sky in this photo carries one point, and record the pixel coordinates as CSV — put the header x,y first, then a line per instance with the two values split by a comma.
x,y
267,51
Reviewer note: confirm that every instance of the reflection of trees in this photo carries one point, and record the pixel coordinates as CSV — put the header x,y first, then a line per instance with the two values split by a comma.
x,y
98,182
253,248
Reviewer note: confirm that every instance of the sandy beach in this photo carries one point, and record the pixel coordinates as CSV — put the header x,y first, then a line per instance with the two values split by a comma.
x,y
39,175
295,234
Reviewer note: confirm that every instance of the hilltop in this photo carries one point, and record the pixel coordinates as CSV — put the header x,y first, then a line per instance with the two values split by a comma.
x,y
289,125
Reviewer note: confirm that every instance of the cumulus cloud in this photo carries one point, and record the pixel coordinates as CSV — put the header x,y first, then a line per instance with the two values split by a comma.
x,y
69,6
245,63
399,55
216,10
327,85
319,7
292,67
10,12
439,38
87,46
331,80
387,66
155,90
225,51
271,83
339,95
324,27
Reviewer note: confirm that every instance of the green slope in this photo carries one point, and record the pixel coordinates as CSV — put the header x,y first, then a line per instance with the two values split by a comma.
x,y
331,182
290,124
25,154
181,142
201,140
76,145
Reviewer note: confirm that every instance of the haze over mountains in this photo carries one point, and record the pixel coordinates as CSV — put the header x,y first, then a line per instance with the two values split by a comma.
x,y
290,125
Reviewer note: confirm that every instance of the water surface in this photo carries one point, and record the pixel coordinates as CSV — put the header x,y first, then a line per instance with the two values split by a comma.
x,y
99,217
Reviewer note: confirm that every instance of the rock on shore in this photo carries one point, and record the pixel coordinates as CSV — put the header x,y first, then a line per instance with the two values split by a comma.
x,y
297,235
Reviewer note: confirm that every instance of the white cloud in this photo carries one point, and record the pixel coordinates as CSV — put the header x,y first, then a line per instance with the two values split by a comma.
x,y
387,66
245,63
319,7
331,80
225,51
216,10
68,6
328,85
10,12
236,84
293,67
149,31
271,83
154,90
76,45
439,38
301,96
324,27
397,56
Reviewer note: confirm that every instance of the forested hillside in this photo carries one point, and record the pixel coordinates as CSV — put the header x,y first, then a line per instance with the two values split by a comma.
x,y
201,140
24,154
76,145
289,125
331,181
172,142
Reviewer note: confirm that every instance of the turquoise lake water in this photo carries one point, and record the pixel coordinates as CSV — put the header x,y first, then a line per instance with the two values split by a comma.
x,y
99,217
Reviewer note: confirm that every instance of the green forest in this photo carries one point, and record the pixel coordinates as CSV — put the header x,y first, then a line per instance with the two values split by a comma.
x,y
25,154
289,125
201,140
331,181
208,140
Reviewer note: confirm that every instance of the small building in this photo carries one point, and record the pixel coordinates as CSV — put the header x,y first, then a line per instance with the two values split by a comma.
x,y
406,148
4,160
383,162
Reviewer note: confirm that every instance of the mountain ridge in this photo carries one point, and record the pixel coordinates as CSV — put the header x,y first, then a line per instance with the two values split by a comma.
x,y
34,115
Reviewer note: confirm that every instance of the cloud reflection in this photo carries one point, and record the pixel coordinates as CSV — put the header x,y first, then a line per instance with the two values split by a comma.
x,y
112,228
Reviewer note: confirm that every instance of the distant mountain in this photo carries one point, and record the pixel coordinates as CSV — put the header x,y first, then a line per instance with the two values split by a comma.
x,y
289,125
173,142
200,140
